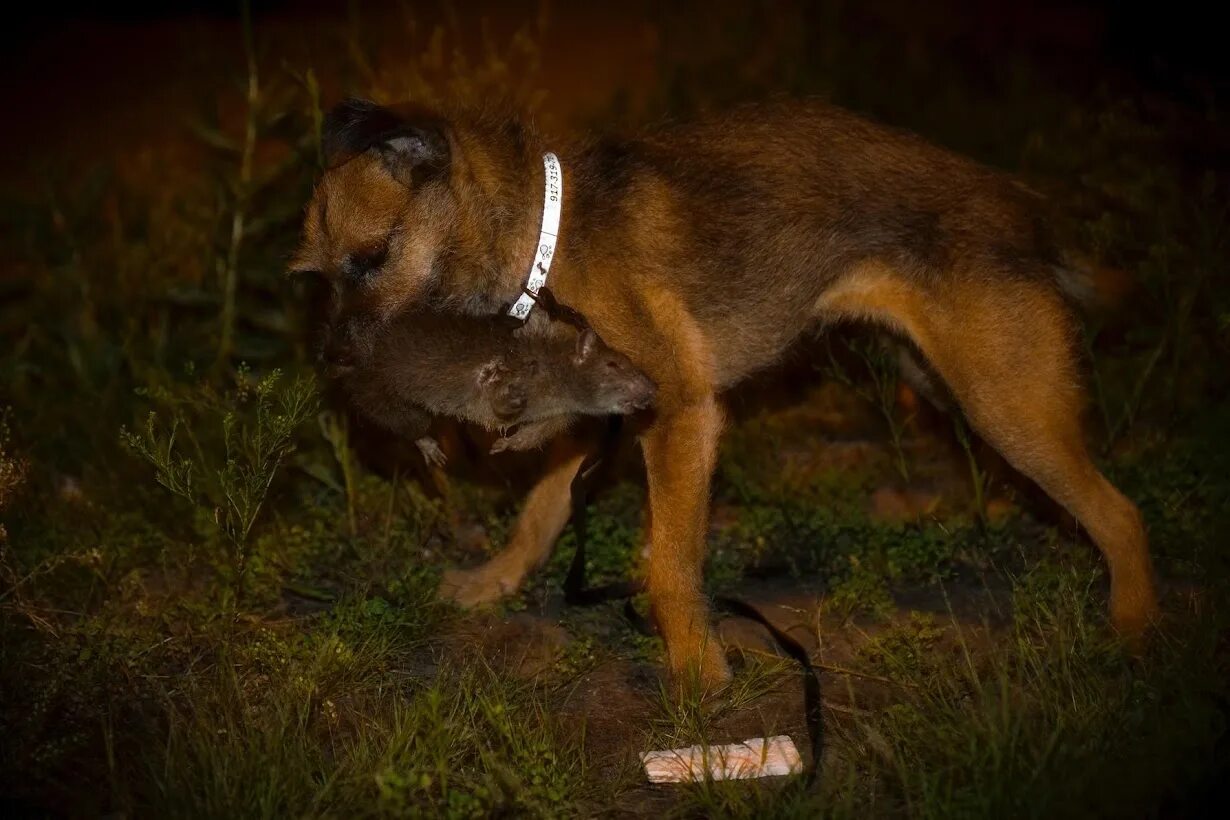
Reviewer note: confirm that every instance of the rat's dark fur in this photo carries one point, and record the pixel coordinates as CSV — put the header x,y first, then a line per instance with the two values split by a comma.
x,y
477,369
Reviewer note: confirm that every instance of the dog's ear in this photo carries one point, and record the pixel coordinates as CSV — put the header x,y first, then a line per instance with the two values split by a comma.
x,y
416,153
413,149
353,127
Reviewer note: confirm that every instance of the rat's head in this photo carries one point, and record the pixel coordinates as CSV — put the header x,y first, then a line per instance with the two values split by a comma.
x,y
538,379
603,381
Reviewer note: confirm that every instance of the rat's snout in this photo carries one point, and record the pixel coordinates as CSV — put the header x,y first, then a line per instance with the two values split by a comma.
x,y
640,395
619,386
645,397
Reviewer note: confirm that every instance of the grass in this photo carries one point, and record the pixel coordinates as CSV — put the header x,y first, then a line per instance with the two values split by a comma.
x,y
253,433
229,609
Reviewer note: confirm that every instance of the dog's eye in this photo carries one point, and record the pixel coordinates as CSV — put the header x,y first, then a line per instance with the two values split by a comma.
x,y
361,267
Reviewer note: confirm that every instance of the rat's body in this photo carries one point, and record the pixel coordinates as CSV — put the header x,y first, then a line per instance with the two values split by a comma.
x,y
424,364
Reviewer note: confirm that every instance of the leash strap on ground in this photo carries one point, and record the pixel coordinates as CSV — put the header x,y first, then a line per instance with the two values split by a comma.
x,y
813,705
578,593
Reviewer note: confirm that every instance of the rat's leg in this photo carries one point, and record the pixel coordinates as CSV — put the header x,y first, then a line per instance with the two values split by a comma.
x,y
414,424
533,435
430,448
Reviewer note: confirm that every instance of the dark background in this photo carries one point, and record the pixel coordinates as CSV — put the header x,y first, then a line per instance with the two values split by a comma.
x,y
84,60
120,180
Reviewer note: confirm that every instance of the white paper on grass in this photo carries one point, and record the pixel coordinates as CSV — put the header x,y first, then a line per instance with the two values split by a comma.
x,y
756,757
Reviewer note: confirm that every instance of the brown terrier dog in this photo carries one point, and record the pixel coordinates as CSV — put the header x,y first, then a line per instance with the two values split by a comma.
x,y
702,251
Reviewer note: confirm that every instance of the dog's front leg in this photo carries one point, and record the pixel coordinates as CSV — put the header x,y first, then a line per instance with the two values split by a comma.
x,y
547,510
680,452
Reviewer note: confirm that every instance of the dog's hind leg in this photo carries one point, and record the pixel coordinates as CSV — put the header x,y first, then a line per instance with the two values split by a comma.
x,y
544,516
1006,350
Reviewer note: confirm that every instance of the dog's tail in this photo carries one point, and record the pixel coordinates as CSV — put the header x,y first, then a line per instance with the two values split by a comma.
x,y
1093,287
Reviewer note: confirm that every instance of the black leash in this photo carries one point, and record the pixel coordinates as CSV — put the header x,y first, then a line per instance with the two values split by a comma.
x,y
578,593
813,705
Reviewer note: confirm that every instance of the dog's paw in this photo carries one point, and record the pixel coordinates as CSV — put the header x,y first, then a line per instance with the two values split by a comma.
x,y
704,675
471,588
1134,612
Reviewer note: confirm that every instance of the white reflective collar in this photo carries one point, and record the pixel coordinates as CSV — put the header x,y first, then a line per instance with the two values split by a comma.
x,y
552,203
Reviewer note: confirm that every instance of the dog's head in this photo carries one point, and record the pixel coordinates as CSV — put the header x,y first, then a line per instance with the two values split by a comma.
x,y
378,220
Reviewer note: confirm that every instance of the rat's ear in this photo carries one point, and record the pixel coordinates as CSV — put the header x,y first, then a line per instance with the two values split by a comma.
x,y
490,374
587,345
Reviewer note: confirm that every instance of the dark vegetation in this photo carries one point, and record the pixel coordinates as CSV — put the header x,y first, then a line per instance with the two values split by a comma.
x,y
213,603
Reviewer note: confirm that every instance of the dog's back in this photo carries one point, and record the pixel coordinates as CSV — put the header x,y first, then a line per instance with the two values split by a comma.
x,y
757,212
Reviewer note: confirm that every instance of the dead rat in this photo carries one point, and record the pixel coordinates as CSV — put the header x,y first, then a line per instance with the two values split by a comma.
x,y
424,364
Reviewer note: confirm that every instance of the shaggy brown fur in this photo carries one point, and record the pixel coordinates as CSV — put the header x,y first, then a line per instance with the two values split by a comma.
x,y
703,251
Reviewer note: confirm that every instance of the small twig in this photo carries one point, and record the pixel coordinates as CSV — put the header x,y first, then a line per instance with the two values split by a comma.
x,y
977,476
238,216
388,515
849,710
840,670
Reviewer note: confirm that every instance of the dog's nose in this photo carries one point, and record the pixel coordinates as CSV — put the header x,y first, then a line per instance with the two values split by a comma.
x,y
337,357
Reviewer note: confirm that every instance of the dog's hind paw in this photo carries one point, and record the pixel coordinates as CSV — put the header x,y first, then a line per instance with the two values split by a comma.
x,y
484,584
